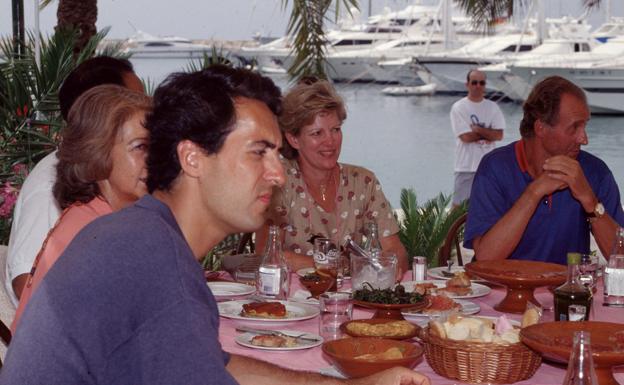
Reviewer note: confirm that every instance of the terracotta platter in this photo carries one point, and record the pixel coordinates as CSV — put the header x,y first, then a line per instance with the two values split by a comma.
x,y
554,341
520,278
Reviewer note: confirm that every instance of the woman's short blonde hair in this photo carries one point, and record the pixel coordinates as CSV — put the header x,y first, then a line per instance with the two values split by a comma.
x,y
302,104
93,127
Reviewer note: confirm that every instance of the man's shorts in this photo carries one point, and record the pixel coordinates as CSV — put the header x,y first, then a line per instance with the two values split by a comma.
x,y
463,185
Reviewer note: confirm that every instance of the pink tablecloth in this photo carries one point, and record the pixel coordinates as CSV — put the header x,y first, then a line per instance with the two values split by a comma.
x,y
312,359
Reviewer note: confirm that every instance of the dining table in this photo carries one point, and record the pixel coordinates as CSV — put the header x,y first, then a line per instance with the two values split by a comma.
x,y
313,360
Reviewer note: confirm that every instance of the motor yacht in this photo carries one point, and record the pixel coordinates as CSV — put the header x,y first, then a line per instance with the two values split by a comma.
x,y
144,45
569,36
600,73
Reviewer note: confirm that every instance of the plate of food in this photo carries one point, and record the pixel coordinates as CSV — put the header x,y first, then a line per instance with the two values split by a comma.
x,y
380,328
388,302
278,339
459,287
442,272
267,311
221,289
438,304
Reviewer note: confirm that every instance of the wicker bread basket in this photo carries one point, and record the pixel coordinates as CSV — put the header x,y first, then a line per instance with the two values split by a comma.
x,y
479,362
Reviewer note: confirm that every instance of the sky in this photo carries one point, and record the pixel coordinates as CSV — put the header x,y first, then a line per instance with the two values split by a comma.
x,y
226,19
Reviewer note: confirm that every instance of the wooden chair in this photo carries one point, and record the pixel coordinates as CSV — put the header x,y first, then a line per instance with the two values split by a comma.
x,y
453,239
246,244
5,334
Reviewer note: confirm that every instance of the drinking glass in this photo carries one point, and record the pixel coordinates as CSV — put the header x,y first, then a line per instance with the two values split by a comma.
x,y
589,267
336,308
327,260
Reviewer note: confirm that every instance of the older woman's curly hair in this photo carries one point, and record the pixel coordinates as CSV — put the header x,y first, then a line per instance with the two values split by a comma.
x,y
544,101
302,104
93,128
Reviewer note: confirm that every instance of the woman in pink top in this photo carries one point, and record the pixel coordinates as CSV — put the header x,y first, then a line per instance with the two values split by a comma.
x,y
101,169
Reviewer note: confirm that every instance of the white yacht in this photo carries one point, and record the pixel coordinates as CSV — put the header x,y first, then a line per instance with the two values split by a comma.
x,y
600,73
349,36
448,69
568,37
144,45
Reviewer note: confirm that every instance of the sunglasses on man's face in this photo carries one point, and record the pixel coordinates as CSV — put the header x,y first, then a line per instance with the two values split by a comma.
x,y
479,82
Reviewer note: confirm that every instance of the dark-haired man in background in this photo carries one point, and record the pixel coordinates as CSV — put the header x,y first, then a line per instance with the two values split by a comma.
x,y
36,210
539,198
127,302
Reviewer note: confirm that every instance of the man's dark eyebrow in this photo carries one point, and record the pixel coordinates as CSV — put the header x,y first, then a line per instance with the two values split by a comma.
x,y
265,143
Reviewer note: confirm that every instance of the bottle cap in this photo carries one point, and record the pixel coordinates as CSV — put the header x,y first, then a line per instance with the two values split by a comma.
x,y
574,258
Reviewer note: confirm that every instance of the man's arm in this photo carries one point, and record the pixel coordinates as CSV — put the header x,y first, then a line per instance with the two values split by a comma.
x,y
249,371
491,134
502,238
569,171
19,283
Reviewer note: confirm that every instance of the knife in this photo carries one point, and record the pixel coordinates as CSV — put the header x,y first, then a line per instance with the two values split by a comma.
x,y
275,333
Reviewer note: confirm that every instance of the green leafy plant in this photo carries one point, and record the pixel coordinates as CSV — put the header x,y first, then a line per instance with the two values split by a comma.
x,y
30,118
424,228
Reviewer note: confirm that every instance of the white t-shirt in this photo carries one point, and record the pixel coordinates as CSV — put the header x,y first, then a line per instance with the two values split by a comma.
x,y
36,212
464,113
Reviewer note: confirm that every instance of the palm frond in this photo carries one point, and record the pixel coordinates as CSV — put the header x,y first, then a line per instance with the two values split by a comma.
x,y
424,228
305,26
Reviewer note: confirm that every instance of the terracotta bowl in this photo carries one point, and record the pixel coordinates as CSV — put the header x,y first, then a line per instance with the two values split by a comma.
x,y
391,311
520,278
318,285
554,341
377,321
341,353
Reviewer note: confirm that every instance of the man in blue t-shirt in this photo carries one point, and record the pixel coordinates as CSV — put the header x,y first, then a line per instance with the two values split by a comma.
x,y
127,302
540,197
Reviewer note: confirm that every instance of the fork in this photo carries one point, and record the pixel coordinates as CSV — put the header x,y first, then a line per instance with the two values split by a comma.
x,y
449,264
275,333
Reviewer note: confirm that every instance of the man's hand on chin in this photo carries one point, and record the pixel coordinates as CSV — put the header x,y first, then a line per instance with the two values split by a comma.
x,y
568,170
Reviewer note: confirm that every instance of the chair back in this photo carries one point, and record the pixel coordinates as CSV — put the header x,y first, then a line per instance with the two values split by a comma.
x,y
452,240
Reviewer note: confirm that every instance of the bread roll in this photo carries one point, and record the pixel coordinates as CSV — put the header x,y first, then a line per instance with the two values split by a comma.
x,y
531,317
437,329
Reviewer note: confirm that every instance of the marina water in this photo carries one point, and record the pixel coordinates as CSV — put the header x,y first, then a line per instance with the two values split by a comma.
x,y
408,141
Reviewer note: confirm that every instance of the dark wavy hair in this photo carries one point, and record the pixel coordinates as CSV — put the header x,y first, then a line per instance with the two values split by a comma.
x,y
91,73
301,106
199,107
92,130
544,101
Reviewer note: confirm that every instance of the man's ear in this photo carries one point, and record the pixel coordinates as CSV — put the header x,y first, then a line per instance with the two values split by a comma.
x,y
189,156
539,128
292,140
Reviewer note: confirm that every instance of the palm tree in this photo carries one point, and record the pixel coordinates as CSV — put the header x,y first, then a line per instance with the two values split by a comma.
x,y
306,28
485,13
79,15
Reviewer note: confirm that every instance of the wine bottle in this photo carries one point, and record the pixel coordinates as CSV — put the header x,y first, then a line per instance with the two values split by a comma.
x,y
572,292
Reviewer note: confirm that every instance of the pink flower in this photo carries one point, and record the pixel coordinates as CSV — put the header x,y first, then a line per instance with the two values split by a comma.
x,y
20,170
8,196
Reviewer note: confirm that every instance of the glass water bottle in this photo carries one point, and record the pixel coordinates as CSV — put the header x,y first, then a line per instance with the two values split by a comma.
x,y
273,278
581,365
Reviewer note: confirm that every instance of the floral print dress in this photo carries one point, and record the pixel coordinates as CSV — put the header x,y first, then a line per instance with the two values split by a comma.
x,y
359,200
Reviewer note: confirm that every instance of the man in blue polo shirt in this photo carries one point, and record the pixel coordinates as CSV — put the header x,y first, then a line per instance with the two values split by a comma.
x,y
539,198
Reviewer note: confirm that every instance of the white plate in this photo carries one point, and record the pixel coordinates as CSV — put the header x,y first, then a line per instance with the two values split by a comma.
x,y
245,340
230,289
294,311
468,308
305,270
438,272
478,290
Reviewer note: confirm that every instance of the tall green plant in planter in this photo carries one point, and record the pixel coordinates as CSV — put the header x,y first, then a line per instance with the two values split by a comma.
x,y
424,228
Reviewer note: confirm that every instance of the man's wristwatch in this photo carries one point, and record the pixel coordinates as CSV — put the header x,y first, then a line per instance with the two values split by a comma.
x,y
598,212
